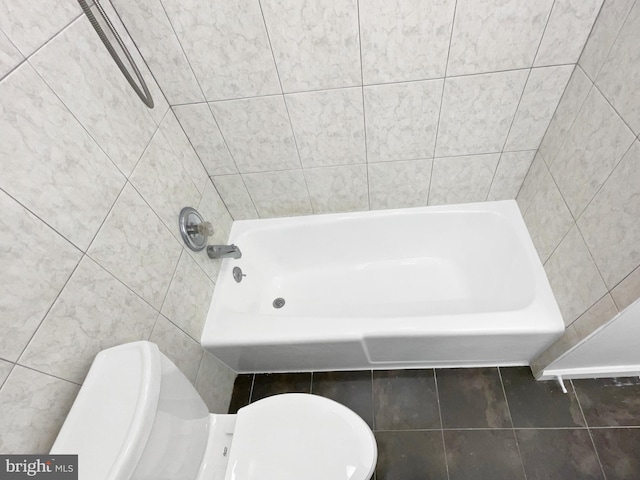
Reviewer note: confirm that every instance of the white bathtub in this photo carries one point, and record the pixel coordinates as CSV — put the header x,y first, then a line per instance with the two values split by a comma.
x,y
455,285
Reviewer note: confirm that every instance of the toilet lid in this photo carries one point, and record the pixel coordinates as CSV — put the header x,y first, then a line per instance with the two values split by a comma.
x,y
296,435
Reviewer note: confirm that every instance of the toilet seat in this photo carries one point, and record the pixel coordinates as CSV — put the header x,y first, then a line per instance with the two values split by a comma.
x,y
334,443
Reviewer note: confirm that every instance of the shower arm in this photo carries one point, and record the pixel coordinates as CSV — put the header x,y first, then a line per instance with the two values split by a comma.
x,y
144,94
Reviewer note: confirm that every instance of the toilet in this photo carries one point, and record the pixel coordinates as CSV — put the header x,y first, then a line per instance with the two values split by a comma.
x,y
137,417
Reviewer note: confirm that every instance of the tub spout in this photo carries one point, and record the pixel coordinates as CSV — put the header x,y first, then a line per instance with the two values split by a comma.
x,y
223,251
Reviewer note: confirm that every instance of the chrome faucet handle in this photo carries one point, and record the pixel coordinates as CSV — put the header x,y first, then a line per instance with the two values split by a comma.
x,y
193,229
205,229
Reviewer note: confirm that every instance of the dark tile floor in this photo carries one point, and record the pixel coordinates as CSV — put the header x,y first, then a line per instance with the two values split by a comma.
x,y
484,423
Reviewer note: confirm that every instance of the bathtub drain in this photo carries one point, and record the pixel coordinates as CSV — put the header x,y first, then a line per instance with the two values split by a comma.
x,y
278,303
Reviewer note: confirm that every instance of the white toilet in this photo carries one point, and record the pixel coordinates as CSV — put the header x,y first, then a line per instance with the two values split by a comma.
x,y
138,417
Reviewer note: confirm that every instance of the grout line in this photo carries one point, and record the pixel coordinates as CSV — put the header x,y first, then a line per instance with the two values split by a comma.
x,y
364,114
373,404
444,444
513,429
253,381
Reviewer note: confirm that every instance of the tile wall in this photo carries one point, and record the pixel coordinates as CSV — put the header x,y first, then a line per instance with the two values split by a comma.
x,y
90,188
300,107
581,197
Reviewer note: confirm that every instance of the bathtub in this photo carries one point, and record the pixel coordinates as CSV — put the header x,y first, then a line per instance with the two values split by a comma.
x,y
441,286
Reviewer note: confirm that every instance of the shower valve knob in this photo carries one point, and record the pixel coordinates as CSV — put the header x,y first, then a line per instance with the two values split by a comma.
x,y
205,229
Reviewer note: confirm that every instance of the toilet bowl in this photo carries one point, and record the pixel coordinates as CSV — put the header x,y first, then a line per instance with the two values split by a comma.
x,y
137,417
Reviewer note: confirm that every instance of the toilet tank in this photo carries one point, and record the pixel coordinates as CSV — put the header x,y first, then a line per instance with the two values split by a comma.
x,y
136,417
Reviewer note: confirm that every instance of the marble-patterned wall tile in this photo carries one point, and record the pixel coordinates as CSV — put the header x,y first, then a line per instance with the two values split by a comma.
x,y
402,120
548,218
235,196
279,194
258,133
184,152
399,184
604,33
628,290
462,179
149,26
227,46
50,164
510,174
404,40
29,282
214,383
618,78
570,104
94,311
164,183
5,370
34,406
477,112
30,24
135,246
181,349
315,43
10,57
599,314
531,183
328,126
79,69
189,295
203,132
213,209
338,189
594,145
490,36
567,31
610,223
573,276
537,105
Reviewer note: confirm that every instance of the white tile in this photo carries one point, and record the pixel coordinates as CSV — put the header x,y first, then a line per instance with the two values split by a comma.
x,y
338,189
235,196
214,383
279,194
29,282
548,219
328,126
594,145
402,119
404,40
227,46
5,370
31,398
610,223
183,151
531,183
490,35
164,183
598,315
30,24
50,164
462,179
542,93
189,296
135,246
94,311
204,134
477,112
258,133
10,57
570,104
399,184
315,43
181,349
567,31
510,174
79,69
618,79
573,277
628,290
149,26
604,33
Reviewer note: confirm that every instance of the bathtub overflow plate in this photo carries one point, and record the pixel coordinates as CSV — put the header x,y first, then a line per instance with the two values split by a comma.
x,y
278,303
